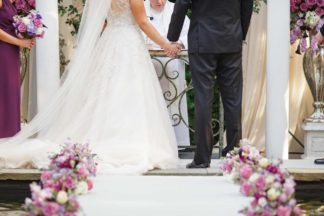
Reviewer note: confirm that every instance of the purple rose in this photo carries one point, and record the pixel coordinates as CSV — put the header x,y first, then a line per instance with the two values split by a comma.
x,y
314,44
320,3
32,3
303,7
37,22
22,28
319,11
310,2
300,22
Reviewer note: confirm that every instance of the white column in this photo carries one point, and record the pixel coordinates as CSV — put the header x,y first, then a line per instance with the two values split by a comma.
x,y
277,107
47,53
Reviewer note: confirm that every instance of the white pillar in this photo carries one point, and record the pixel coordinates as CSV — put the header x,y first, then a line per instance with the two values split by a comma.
x,y
47,53
277,107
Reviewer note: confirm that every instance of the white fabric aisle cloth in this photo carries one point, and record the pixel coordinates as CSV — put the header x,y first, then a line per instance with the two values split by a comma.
x,y
163,195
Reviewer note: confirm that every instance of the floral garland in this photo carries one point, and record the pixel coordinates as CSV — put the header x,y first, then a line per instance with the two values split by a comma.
x,y
69,175
307,17
270,185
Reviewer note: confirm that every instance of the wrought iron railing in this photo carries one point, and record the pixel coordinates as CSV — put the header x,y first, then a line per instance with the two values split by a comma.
x,y
175,96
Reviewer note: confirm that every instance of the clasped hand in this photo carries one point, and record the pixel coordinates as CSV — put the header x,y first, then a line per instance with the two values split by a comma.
x,y
172,49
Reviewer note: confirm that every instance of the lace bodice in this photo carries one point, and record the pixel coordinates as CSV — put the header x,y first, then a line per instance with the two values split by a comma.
x,y
120,13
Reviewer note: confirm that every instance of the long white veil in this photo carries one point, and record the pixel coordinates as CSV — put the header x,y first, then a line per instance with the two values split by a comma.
x,y
94,14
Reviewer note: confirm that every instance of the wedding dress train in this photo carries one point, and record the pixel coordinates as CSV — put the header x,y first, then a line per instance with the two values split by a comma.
x,y
111,98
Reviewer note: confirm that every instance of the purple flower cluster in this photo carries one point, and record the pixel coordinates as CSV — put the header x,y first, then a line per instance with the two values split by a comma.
x,y
24,6
270,185
68,176
307,17
29,26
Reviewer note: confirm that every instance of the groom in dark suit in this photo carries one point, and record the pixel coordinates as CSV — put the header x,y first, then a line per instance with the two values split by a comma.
x,y
217,31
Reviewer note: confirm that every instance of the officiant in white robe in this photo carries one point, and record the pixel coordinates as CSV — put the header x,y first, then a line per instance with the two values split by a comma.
x,y
159,13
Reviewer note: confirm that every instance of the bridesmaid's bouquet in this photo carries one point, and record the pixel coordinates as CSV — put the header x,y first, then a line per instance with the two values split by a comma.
x,y
29,26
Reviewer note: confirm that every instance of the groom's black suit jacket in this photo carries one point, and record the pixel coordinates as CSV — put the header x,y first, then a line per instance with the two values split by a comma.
x,y
217,26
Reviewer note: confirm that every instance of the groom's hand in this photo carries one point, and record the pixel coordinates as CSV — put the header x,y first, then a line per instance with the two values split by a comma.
x,y
172,49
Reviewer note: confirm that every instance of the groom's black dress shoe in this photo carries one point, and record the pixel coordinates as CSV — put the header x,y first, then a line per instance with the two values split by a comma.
x,y
193,165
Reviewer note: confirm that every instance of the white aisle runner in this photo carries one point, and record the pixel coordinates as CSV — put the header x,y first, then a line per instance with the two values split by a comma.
x,y
163,196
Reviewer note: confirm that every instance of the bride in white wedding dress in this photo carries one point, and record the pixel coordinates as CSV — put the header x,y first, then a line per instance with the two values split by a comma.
x,y
110,98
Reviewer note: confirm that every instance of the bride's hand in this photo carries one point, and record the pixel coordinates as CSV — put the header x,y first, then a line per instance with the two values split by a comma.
x,y
171,49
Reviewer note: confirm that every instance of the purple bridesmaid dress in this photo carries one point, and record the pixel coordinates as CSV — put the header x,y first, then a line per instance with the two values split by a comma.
x,y
9,76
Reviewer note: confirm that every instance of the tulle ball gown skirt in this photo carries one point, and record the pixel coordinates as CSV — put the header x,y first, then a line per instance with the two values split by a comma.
x,y
117,107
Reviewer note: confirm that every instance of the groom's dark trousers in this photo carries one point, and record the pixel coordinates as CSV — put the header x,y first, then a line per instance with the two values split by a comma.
x,y
217,31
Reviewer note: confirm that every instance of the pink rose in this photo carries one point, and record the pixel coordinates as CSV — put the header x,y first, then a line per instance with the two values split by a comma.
x,y
90,184
251,213
266,213
22,28
50,208
319,11
283,198
69,182
303,7
260,183
46,175
32,3
37,22
246,171
283,211
69,214
246,189
83,171
320,3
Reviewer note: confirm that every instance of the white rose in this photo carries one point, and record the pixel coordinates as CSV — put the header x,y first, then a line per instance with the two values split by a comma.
x,y
62,197
264,162
82,188
262,202
273,194
26,21
234,176
39,30
254,153
312,18
270,180
253,178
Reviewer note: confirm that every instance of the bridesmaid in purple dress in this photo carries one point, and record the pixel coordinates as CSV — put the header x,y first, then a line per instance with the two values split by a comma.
x,y
9,71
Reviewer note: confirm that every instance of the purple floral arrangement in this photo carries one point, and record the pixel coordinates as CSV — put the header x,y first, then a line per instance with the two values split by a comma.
x,y
69,175
25,6
270,185
30,26
307,17
28,23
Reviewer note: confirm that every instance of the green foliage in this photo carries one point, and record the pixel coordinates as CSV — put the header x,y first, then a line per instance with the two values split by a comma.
x,y
73,19
257,5
63,61
73,15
